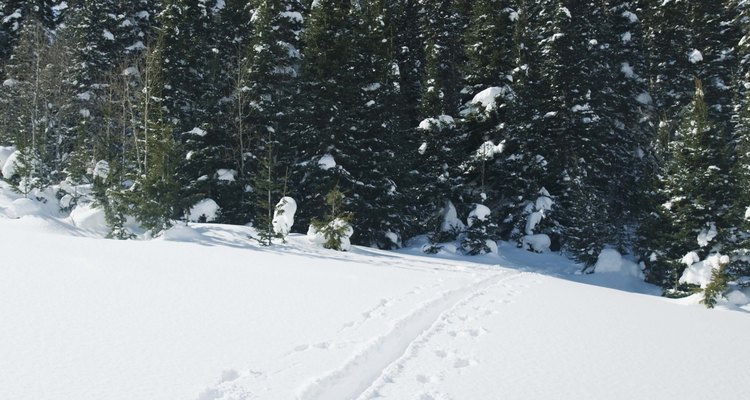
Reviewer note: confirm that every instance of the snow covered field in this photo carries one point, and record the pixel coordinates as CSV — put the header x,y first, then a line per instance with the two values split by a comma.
x,y
204,313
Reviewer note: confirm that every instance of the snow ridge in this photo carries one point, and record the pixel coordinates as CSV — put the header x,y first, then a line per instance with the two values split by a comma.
x,y
367,367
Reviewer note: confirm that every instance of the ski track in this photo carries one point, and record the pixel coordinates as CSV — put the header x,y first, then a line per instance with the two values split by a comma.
x,y
462,322
365,369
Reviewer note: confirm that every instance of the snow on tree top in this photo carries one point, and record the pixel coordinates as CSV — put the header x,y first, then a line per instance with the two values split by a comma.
x,y
630,16
644,98
226,174
437,124
197,131
326,162
695,56
220,4
487,98
479,213
488,149
293,15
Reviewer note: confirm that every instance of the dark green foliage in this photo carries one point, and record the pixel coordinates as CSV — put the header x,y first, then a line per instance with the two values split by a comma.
x,y
478,232
696,193
717,286
335,227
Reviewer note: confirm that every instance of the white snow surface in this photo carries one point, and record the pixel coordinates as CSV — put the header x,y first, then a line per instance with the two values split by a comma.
x,y
611,261
206,313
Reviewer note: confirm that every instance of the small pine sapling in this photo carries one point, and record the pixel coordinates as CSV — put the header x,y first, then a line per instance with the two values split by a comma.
x,y
335,229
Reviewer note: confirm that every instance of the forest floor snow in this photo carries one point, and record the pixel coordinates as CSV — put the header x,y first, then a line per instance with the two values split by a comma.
x,y
204,313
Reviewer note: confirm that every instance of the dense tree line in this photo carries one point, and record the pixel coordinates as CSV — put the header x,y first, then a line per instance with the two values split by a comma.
x,y
570,125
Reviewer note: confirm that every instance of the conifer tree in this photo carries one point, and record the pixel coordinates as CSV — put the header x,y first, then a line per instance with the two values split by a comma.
x,y
489,43
269,90
696,193
442,30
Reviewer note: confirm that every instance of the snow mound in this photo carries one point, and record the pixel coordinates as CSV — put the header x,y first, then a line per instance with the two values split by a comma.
x,y
181,233
611,261
23,207
538,243
206,208
283,216
737,298
89,218
326,162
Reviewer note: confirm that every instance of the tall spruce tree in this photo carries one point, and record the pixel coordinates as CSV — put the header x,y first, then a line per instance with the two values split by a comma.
x,y
697,193
270,94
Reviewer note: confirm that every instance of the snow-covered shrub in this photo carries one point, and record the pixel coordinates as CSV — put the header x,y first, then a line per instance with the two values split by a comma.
x,y
535,213
709,274
334,235
448,228
477,237
205,210
335,230
283,216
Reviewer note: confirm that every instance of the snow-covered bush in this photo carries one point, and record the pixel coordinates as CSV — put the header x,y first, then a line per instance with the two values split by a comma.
x,y
335,230
477,237
448,228
334,235
205,210
283,216
535,213
709,274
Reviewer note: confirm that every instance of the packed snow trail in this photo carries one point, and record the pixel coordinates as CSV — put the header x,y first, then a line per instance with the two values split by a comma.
x,y
361,372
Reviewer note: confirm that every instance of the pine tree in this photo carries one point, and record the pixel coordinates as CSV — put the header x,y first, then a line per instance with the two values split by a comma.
x,y
36,96
696,193
489,43
442,30
269,93
335,228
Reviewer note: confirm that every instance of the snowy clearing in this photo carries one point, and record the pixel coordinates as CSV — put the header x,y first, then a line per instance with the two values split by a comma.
x,y
204,313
